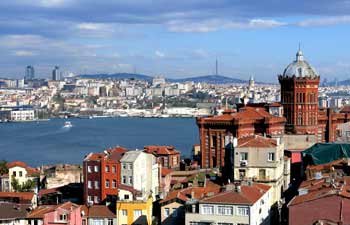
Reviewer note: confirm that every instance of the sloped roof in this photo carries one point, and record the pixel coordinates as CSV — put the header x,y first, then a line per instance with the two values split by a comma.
x,y
100,211
256,141
40,211
325,153
12,211
248,195
161,150
26,196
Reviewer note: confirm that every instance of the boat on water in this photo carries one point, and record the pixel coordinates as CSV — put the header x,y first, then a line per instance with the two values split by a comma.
x,y
67,124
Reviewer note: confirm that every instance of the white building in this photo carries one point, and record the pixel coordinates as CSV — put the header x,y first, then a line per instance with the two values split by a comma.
x,y
140,171
22,115
240,204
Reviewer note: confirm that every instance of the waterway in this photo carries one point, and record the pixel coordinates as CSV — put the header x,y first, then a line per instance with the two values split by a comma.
x,y
48,142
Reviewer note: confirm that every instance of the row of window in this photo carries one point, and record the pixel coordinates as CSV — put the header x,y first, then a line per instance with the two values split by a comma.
x,y
127,166
93,169
243,156
94,199
224,210
125,180
20,174
114,184
97,184
107,169
137,213
167,212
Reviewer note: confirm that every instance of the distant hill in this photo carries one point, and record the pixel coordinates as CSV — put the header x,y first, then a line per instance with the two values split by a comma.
x,y
118,76
211,79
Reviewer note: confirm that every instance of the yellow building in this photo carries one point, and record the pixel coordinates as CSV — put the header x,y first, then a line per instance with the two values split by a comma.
x,y
132,207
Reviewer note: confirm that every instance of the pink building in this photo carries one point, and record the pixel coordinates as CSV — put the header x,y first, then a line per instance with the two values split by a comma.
x,y
67,213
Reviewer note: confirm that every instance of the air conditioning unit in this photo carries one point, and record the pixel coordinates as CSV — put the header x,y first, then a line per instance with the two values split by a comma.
x,y
244,163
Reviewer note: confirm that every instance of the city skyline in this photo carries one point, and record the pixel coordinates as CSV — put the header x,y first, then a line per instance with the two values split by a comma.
x,y
177,40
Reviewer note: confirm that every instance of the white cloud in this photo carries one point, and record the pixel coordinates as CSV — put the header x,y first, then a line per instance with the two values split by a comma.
x,y
53,3
215,24
200,53
328,21
23,53
159,54
91,26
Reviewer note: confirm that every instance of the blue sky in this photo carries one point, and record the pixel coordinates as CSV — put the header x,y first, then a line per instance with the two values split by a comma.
x,y
175,38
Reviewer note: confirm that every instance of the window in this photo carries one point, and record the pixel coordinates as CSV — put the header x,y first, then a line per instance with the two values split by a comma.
x,y
130,179
114,184
174,160
241,174
63,217
166,212
243,156
225,210
207,209
89,184
124,212
130,166
110,222
89,169
97,222
271,156
166,163
20,173
96,199
96,169
137,213
107,183
126,197
124,180
124,166
107,169
97,185
174,212
89,198
14,173
114,169
242,211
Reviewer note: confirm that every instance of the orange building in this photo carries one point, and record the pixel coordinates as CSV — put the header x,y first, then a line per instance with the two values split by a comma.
x,y
102,175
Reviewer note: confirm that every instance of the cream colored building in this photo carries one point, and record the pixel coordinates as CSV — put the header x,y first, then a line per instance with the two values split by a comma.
x,y
141,171
21,172
237,205
261,159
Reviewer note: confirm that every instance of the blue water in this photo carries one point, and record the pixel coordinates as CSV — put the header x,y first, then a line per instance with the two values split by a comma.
x,y
40,143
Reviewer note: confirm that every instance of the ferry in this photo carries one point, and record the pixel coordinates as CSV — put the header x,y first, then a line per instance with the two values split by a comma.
x,y
67,124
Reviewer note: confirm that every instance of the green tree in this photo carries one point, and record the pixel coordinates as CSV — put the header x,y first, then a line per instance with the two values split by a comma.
x,y
27,186
3,167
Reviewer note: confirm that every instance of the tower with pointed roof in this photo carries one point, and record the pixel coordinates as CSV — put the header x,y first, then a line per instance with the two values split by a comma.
x,y
299,96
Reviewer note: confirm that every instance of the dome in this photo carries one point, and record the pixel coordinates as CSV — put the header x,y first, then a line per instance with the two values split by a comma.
x,y
300,68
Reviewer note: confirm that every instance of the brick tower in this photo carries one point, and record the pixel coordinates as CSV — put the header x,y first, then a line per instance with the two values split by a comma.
x,y
299,96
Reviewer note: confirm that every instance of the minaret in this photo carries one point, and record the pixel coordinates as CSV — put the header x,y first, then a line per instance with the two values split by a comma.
x,y
216,67
251,83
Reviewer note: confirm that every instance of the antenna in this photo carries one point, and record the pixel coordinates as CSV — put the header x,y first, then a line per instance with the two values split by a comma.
x,y
299,47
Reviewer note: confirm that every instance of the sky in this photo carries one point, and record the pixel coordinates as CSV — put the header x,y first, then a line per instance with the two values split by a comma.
x,y
176,39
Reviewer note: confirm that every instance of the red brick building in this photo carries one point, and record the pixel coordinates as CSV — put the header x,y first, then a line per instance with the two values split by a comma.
x,y
167,156
215,132
102,174
300,116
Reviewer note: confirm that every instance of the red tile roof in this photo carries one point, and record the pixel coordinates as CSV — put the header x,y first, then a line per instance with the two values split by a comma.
x,y
256,141
100,211
161,150
247,196
40,211
26,196
29,169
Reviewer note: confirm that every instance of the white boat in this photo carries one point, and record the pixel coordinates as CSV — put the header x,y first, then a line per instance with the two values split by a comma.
x,y
67,124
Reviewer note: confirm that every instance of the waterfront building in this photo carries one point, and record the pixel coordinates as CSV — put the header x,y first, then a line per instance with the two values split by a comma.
x,y
238,204
29,73
22,115
140,171
167,156
102,175
133,207
56,74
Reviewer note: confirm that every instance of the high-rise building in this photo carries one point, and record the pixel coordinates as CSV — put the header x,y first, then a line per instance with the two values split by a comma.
x,y
29,73
56,74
